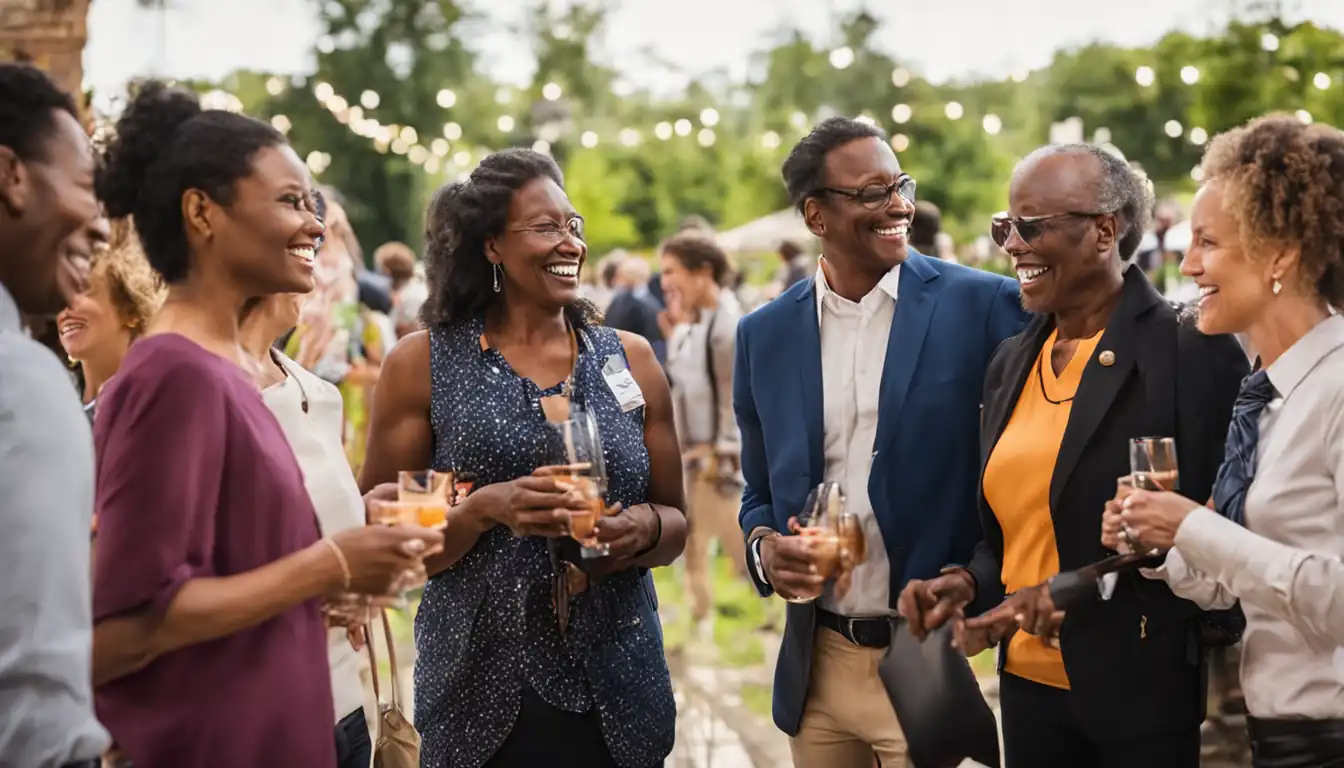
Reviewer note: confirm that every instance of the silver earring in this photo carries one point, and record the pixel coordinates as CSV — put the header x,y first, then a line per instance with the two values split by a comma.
x,y
1277,286
499,274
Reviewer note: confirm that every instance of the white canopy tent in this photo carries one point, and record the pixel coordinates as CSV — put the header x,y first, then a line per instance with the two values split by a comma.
x,y
766,233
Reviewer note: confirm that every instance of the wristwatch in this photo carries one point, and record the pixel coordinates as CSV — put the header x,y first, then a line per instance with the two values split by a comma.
x,y
763,585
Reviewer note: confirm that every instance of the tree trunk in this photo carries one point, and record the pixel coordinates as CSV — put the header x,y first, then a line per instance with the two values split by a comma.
x,y
50,34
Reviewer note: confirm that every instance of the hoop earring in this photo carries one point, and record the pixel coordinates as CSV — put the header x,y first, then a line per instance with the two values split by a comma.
x,y
1277,286
499,274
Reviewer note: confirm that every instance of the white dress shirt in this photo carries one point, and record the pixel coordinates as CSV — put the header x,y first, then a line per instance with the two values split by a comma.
x,y
314,435
1286,565
853,350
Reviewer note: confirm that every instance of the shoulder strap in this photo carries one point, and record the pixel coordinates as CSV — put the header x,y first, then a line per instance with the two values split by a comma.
x,y
713,375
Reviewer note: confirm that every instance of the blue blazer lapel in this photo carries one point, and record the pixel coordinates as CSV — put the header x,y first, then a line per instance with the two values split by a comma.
x,y
808,361
915,299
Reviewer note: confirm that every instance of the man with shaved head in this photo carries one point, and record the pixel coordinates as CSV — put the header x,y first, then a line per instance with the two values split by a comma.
x,y
633,308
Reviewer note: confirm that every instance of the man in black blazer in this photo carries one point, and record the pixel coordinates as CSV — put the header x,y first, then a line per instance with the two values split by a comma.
x,y
1129,686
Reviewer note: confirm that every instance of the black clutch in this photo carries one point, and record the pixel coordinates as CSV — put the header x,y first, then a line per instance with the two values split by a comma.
x,y
938,702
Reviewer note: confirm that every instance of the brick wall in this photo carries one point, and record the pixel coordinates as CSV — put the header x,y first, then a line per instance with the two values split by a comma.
x,y
49,33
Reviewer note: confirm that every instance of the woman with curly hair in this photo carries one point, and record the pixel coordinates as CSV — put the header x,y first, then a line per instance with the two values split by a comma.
x,y
502,679
98,327
1268,256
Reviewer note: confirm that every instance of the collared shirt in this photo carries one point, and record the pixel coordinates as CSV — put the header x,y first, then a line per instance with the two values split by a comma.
x,y
1287,564
46,509
853,350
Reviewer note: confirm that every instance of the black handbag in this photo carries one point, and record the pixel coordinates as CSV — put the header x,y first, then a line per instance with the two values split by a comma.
x,y
938,701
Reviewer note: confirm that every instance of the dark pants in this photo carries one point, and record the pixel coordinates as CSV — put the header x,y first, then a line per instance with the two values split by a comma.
x,y
1040,731
1297,743
543,735
353,748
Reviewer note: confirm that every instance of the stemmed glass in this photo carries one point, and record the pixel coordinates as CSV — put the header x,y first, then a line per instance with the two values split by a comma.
x,y
1153,463
819,524
578,465
423,498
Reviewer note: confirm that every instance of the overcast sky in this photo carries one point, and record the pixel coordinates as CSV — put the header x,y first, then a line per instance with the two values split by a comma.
x,y
658,43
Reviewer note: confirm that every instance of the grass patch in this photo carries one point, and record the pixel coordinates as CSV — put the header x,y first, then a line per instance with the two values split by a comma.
x,y
739,613
757,698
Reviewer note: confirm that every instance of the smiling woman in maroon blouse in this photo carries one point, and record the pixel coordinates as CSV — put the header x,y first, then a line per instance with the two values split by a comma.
x,y
209,645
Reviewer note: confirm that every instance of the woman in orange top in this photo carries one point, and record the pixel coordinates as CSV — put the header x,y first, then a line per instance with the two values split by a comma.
x,y
1116,681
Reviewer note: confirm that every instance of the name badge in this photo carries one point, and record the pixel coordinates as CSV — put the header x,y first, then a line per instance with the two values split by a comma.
x,y
622,384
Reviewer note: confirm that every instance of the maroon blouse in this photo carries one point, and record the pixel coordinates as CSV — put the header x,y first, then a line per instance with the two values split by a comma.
x,y
195,479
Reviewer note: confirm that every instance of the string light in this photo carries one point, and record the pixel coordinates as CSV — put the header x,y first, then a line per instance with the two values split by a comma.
x,y
551,91
992,124
281,123
629,137
953,110
705,137
1269,41
1198,136
709,117
446,99
369,99
1189,75
682,127
663,130
901,113
504,124
1304,116
1321,81
842,57
770,140
1144,76
275,86
588,139
900,142
900,77
1173,128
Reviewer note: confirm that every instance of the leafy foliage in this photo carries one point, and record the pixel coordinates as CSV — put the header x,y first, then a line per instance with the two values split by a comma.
x,y
633,187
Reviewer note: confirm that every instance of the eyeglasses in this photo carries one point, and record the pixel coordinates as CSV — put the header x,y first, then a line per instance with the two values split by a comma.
x,y
1029,228
875,196
552,231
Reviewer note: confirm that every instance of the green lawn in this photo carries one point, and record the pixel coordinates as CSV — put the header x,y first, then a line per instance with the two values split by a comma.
x,y
740,615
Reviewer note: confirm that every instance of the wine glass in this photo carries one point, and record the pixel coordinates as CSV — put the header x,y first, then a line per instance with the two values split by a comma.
x,y
576,448
819,525
1152,460
426,496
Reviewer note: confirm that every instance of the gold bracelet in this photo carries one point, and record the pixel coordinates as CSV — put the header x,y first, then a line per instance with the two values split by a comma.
x,y
340,557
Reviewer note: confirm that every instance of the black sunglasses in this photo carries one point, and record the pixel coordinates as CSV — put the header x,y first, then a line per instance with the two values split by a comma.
x,y
1030,228
874,196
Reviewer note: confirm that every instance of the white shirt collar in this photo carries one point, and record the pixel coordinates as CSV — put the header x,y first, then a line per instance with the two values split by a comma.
x,y
889,284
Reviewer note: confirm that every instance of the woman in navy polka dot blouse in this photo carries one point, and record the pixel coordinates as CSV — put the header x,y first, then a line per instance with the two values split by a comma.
x,y
498,681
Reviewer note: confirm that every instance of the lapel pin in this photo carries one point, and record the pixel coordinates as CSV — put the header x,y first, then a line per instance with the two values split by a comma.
x,y
1106,358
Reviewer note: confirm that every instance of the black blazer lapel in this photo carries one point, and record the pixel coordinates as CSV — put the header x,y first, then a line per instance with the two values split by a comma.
x,y
1101,383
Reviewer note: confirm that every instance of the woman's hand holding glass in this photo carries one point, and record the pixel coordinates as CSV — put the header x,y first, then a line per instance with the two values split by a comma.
x,y
627,532
1154,517
376,560
535,505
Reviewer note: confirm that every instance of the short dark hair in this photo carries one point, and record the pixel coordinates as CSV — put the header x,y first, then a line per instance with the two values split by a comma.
x,y
696,250
805,168
789,250
29,101
464,216
925,224
166,144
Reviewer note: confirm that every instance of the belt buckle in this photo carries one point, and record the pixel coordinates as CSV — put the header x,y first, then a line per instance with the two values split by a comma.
x,y
849,630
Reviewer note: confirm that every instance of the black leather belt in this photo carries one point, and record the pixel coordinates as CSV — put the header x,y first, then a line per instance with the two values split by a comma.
x,y
1297,743
870,632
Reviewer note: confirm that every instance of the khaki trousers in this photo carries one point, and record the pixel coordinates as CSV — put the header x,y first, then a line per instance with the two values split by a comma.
x,y
848,718
712,513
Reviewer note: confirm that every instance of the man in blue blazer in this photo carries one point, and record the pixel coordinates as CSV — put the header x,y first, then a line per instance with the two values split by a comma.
x,y
869,375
